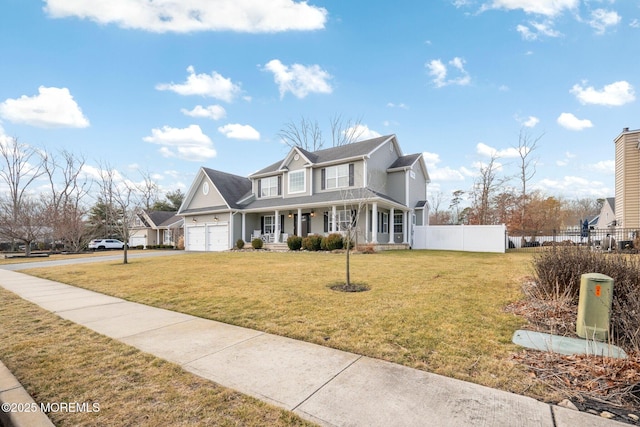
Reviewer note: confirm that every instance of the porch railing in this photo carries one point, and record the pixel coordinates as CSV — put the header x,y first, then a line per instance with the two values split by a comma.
x,y
607,239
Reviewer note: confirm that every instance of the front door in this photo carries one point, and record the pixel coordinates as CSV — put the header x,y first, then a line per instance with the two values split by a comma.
x,y
305,225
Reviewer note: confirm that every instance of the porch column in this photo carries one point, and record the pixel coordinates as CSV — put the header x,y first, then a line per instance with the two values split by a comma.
x,y
333,215
299,226
405,227
231,229
244,225
367,227
392,237
374,223
276,238
158,242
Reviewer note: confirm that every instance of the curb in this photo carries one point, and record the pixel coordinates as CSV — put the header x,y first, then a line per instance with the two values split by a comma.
x,y
18,408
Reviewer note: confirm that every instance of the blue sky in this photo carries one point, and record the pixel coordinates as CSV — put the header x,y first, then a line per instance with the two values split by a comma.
x,y
169,86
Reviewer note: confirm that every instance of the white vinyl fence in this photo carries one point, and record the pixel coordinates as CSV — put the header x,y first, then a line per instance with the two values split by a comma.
x,y
469,238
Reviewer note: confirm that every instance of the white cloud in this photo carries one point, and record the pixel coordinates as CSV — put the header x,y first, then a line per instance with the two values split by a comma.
x,y
531,122
437,173
612,95
299,79
213,112
187,143
361,132
571,122
237,131
537,29
602,19
604,167
211,85
401,106
183,16
439,71
487,151
634,23
573,187
549,8
52,108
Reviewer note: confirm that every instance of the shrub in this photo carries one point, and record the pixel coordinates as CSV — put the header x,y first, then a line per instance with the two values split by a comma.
x,y
312,242
257,243
558,271
240,244
181,243
367,249
294,243
332,242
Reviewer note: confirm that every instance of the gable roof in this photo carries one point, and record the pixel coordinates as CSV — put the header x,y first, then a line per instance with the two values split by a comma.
x,y
405,161
334,154
231,187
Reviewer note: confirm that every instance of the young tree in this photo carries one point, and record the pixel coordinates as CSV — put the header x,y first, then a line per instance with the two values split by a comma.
x,y
526,169
120,202
354,201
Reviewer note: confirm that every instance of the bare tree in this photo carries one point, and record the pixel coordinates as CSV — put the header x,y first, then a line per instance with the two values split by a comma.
x,y
435,200
345,132
21,166
484,189
65,202
148,190
455,205
354,202
527,169
29,227
120,201
305,134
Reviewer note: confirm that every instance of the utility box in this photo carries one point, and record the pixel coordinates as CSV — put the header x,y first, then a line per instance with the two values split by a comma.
x,y
594,306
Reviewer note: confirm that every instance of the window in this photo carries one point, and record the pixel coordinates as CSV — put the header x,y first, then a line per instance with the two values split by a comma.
x,y
337,176
397,222
269,224
383,222
343,219
269,187
296,181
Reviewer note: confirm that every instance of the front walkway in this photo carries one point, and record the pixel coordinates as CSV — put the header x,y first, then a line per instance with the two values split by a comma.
x,y
324,385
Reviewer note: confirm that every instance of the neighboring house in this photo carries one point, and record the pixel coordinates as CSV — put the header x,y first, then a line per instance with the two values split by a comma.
x,y
311,193
152,228
607,216
627,169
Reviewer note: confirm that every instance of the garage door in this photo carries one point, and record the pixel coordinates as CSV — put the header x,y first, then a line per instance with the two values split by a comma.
x,y
195,239
217,237
137,241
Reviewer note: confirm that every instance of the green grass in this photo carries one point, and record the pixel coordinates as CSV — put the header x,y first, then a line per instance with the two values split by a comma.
x,y
442,312
58,361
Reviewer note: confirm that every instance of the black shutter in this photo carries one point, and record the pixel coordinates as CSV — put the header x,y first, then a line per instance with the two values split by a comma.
x,y
262,224
351,173
323,176
259,188
279,185
281,224
326,221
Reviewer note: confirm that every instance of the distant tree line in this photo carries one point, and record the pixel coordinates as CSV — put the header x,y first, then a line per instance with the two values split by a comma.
x,y
50,199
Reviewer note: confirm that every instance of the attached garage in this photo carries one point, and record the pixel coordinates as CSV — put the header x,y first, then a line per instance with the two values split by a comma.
x,y
137,241
195,240
209,237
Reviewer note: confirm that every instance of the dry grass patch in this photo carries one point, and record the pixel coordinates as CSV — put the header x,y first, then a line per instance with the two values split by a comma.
x,y
438,311
59,361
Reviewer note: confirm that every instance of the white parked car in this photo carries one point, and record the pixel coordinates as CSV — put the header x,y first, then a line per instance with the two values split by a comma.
x,y
98,244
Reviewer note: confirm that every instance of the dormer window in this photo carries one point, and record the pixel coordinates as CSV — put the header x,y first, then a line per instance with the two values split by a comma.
x,y
296,181
337,176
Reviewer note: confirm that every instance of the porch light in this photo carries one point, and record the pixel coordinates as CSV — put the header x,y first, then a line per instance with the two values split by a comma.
x,y
313,213
290,214
194,220
215,218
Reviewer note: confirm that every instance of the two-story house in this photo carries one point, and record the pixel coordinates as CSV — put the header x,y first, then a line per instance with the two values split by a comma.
x,y
369,183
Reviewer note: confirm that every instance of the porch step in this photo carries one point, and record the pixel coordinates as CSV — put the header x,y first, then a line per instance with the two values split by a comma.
x,y
276,247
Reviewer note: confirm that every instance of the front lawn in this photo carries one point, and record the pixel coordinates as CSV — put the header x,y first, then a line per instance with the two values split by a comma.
x,y
442,312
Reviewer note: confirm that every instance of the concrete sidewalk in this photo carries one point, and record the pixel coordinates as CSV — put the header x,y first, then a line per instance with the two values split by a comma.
x,y
327,386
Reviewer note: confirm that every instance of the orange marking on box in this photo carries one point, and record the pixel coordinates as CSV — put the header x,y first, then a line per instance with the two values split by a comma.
x,y
598,290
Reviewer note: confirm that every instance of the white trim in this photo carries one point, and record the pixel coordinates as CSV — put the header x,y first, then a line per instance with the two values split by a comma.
x,y
304,181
